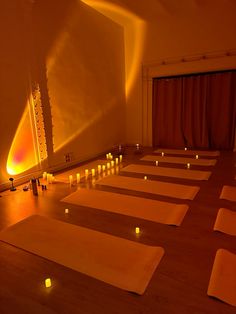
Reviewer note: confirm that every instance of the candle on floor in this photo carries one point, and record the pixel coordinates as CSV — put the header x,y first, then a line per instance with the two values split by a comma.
x,y
137,146
107,156
156,162
86,173
112,163
99,169
108,165
162,154
48,283
196,156
137,230
66,211
185,148
120,158
93,172
78,177
188,165
111,156
71,180
117,161
145,177
103,167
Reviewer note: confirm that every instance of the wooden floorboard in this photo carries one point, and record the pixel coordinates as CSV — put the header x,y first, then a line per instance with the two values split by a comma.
x,y
180,282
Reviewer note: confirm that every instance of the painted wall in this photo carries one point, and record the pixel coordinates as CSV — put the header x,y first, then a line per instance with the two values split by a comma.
x,y
76,55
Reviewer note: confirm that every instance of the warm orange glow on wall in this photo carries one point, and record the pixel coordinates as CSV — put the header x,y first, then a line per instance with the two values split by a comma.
x,y
22,155
134,33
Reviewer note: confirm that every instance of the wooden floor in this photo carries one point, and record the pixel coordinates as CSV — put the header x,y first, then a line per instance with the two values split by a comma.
x,y
179,285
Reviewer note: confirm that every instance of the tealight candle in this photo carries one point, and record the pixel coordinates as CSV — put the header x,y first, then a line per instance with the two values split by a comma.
x,y
137,230
93,172
188,165
120,158
71,179
196,156
99,169
156,162
48,283
162,154
117,161
66,211
78,177
145,177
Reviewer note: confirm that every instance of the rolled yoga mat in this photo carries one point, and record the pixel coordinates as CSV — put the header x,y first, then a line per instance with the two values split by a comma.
x,y
222,284
228,193
188,152
226,221
168,172
149,186
161,212
122,263
180,160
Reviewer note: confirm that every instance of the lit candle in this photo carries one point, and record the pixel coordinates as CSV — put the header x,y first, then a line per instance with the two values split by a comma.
x,y
86,173
66,211
196,156
99,169
107,156
93,172
137,146
145,177
103,167
112,163
188,165
108,165
156,162
78,177
120,158
71,180
111,156
185,148
162,154
117,161
48,283
137,230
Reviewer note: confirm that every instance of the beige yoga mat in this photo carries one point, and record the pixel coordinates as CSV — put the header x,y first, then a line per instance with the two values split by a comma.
x,y
168,172
149,186
226,221
122,263
161,212
189,152
180,160
222,284
228,193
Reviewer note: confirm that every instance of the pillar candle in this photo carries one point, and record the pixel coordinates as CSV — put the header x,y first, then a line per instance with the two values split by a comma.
x,y
188,165
108,165
162,154
196,156
103,167
112,163
86,173
145,177
66,211
120,158
117,161
156,162
93,172
78,177
137,230
99,169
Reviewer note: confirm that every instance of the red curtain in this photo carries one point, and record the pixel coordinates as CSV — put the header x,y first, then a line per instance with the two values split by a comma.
x,y
197,111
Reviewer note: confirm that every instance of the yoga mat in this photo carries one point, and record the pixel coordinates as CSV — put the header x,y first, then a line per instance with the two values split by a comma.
x,y
188,152
228,193
168,172
122,263
149,186
222,284
180,160
226,221
161,212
